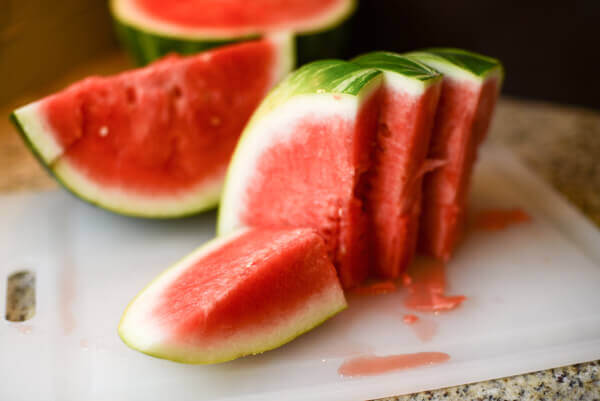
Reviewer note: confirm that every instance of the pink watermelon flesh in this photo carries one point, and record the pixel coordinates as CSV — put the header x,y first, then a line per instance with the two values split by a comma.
x,y
164,128
403,135
254,291
324,189
253,14
461,123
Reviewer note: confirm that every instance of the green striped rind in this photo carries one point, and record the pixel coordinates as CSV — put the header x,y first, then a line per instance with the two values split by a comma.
x,y
457,62
146,45
319,77
393,62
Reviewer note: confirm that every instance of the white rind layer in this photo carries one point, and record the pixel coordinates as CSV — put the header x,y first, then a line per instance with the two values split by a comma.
x,y
131,203
285,55
140,330
403,84
265,134
38,131
128,13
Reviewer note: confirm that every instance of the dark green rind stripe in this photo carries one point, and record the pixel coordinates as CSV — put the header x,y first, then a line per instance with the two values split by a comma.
x,y
15,121
146,47
476,64
318,77
331,76
399,64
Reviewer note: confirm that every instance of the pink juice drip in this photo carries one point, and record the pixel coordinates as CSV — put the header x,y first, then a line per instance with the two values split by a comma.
x,y
376,365
498,219
378,288
410,319
427,286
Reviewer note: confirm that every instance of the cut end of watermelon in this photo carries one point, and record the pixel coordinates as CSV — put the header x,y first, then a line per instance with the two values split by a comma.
x,y
238,295
470,89
301,158
218,20
155,142
410,95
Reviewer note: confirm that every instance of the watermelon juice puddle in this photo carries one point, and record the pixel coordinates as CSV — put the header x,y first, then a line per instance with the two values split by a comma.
x,y
427,287
500,219
372,365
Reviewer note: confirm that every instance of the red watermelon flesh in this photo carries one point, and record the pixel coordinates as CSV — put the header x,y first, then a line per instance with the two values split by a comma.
x,y
403,136
154,141
236,14
462,119
243,294
323,188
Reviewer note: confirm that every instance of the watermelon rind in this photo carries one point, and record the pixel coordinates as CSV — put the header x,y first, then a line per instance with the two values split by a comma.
x,y
404,73
317,89
37,134
148,40
460,64
148,339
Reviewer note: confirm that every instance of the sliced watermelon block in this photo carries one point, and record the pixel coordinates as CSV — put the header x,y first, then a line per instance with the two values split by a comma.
x,y
410,96
238,295
155,142
152,28
302,159
469,91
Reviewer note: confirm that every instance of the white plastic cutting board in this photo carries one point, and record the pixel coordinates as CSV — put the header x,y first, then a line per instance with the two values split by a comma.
x,y
533,303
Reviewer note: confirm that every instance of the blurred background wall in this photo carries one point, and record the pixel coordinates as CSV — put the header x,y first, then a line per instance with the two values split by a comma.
x,y
551,49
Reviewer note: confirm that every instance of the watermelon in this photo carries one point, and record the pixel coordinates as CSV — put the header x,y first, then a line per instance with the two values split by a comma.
x,y
302,159
469,91
242,294
410,96
156,141
152,28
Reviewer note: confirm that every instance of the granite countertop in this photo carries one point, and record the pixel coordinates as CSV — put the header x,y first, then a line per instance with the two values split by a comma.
x,y
561,143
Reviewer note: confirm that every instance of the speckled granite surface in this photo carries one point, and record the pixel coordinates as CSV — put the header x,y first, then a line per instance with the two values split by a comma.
x,y
560,143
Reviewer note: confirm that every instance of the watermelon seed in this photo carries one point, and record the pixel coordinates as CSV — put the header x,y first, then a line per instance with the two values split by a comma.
x,y
130,95
215,121
103,131
176,91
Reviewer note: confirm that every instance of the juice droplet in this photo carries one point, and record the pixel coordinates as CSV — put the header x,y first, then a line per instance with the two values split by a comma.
x,y
498,219
376,365
381,287
426,291
410,319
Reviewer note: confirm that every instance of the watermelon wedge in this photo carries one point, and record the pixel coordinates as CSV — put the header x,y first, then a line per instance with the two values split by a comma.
x,y
469,91
152,28
156,141
302,159
410,96
238,295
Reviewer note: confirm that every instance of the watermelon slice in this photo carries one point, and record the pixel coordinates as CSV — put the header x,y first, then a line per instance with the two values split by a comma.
x,y
155,142
469,91
238,295
153,28
302,159
410,96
